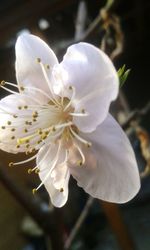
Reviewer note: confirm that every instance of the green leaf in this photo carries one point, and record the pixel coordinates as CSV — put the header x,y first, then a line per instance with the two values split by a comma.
x,y
123,74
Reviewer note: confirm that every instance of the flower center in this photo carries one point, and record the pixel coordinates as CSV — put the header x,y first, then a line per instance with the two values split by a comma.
x,y
35,125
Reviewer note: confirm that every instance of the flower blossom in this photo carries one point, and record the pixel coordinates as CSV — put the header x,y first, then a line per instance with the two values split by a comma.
x,y
60,112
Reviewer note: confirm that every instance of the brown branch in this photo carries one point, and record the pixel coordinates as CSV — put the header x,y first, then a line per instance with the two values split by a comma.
x,y
138,114
92,27
79,222
48,221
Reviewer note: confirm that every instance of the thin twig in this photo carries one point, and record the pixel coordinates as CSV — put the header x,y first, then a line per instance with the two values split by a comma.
x,y
79,222
92,27
137,114
118,50
80,20
48,221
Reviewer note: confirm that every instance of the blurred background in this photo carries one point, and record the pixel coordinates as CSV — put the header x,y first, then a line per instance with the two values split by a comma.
x,y
121,28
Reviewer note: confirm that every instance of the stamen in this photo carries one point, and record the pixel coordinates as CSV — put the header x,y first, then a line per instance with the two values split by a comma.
x,y
79,114
11,164
29,170
25,161
71,99
80,138
81,162
34,190
39,131
38,60
52,167
10,84
40,91
25,139
9,90
47,66
49,84
21,88
35,169
2,83
63,125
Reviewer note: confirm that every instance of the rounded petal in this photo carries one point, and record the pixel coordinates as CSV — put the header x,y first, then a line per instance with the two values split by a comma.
x,y
28,71
96,83
110,172
53,179
12,122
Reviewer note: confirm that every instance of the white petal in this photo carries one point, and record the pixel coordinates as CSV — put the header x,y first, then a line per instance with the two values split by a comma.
x,y
9,107
95,80
110,172
56,178
28,71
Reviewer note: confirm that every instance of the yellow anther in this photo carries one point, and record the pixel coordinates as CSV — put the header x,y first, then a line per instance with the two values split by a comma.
x,y
29,171
32,150
25,107
70,87
2,83
61,190
19,107
25,130
11,164
9,122
89,144
34,120
27,145
79,163
27,152
21,88
53,129
3,127
47,132
38,142
43,137
39,131
34,190
47,66
15,116
38,60
35,114
37,170
13,129
18,146
13,137
25,139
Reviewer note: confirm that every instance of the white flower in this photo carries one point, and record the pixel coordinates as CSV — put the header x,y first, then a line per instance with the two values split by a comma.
x,y
61,112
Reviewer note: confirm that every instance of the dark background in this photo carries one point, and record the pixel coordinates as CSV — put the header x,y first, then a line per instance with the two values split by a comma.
x,y
95,234
134,16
